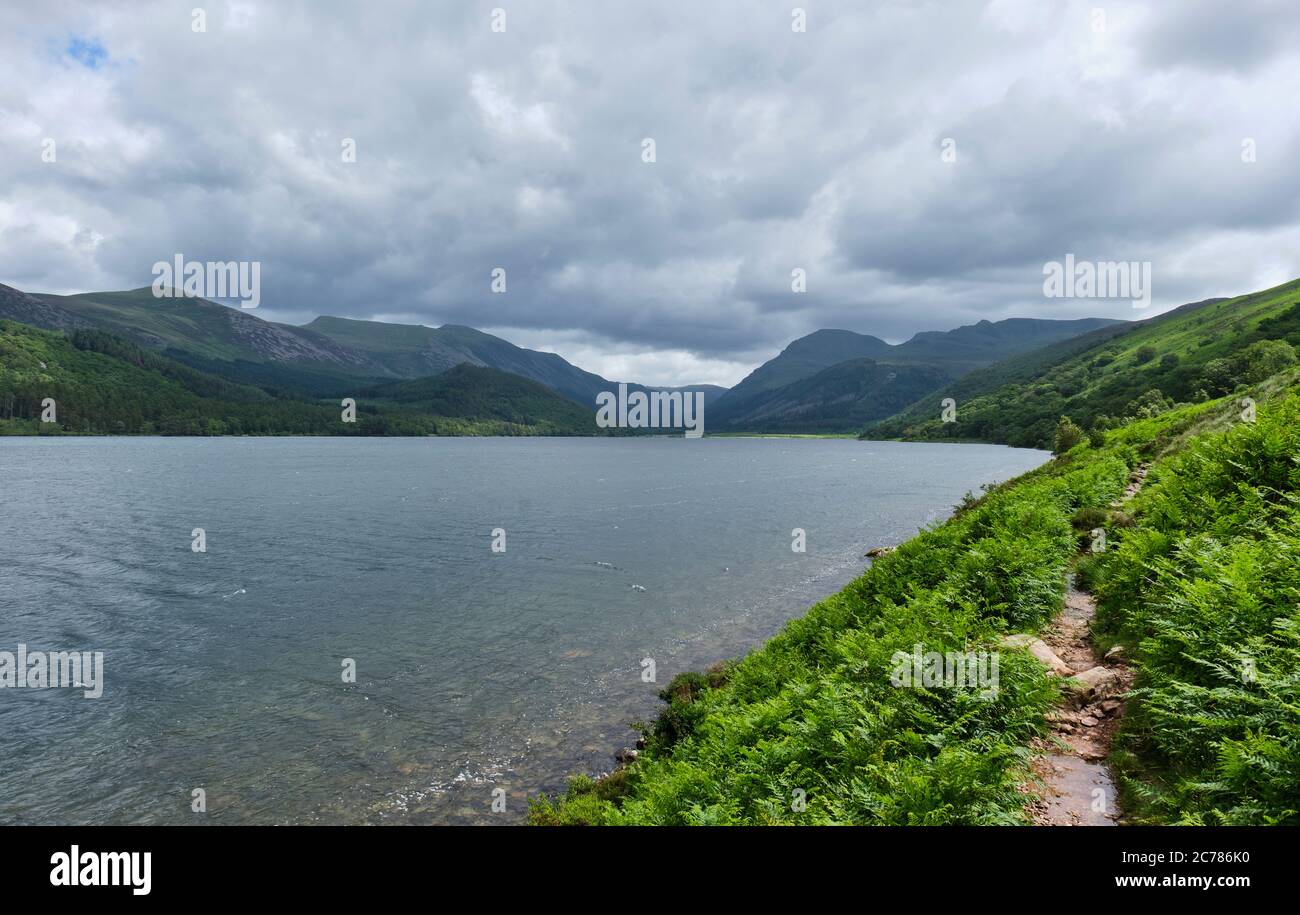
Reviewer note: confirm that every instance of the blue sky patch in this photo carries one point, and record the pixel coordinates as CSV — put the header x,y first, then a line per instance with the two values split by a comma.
x,y
87,51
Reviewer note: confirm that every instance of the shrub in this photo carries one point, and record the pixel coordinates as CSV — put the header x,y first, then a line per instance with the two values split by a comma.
x,y
1089,517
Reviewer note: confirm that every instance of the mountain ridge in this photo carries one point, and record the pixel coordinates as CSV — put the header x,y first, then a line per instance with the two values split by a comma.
x,y
320,358
946,354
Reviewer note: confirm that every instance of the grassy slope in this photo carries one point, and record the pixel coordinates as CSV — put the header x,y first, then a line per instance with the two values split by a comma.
x,y
1195,352
813,709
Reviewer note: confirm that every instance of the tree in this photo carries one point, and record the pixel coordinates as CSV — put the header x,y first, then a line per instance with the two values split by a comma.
x,y
1067,435
1265,358
1219,376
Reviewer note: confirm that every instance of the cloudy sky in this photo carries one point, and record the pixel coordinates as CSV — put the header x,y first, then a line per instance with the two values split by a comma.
x,y
1106,130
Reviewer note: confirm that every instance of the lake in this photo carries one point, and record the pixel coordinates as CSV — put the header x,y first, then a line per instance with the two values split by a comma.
x,y
474,670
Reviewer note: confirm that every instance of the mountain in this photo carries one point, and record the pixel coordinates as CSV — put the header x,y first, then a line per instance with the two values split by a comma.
x,y
1195,352
945,354
845,396
410,350
487,395
806,357
103,384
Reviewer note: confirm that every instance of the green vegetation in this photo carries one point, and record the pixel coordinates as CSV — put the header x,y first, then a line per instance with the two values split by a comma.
x,y
1200,586
1189,355
1204,590
1068,435
485,395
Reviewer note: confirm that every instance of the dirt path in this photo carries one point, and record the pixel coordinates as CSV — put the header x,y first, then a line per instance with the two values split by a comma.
x,y
1076,785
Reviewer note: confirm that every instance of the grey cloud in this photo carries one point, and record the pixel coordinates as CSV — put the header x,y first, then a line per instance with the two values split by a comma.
x,y
1243,36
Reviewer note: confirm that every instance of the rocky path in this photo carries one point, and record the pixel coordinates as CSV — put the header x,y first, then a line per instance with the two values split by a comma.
x,y
1076,785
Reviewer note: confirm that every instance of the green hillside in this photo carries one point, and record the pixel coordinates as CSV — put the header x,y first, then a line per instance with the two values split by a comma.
x,y
486,395
1198,586
102,384
1194,353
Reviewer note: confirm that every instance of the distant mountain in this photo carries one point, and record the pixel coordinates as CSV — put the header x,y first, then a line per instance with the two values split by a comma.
x,y
326,358
972,346
412,350
842,397
946,355
806,357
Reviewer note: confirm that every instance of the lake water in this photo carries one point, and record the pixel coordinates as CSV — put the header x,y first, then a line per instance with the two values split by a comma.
x,y
474,670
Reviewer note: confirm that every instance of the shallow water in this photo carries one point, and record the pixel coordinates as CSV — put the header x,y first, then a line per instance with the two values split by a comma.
x,y
475,670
